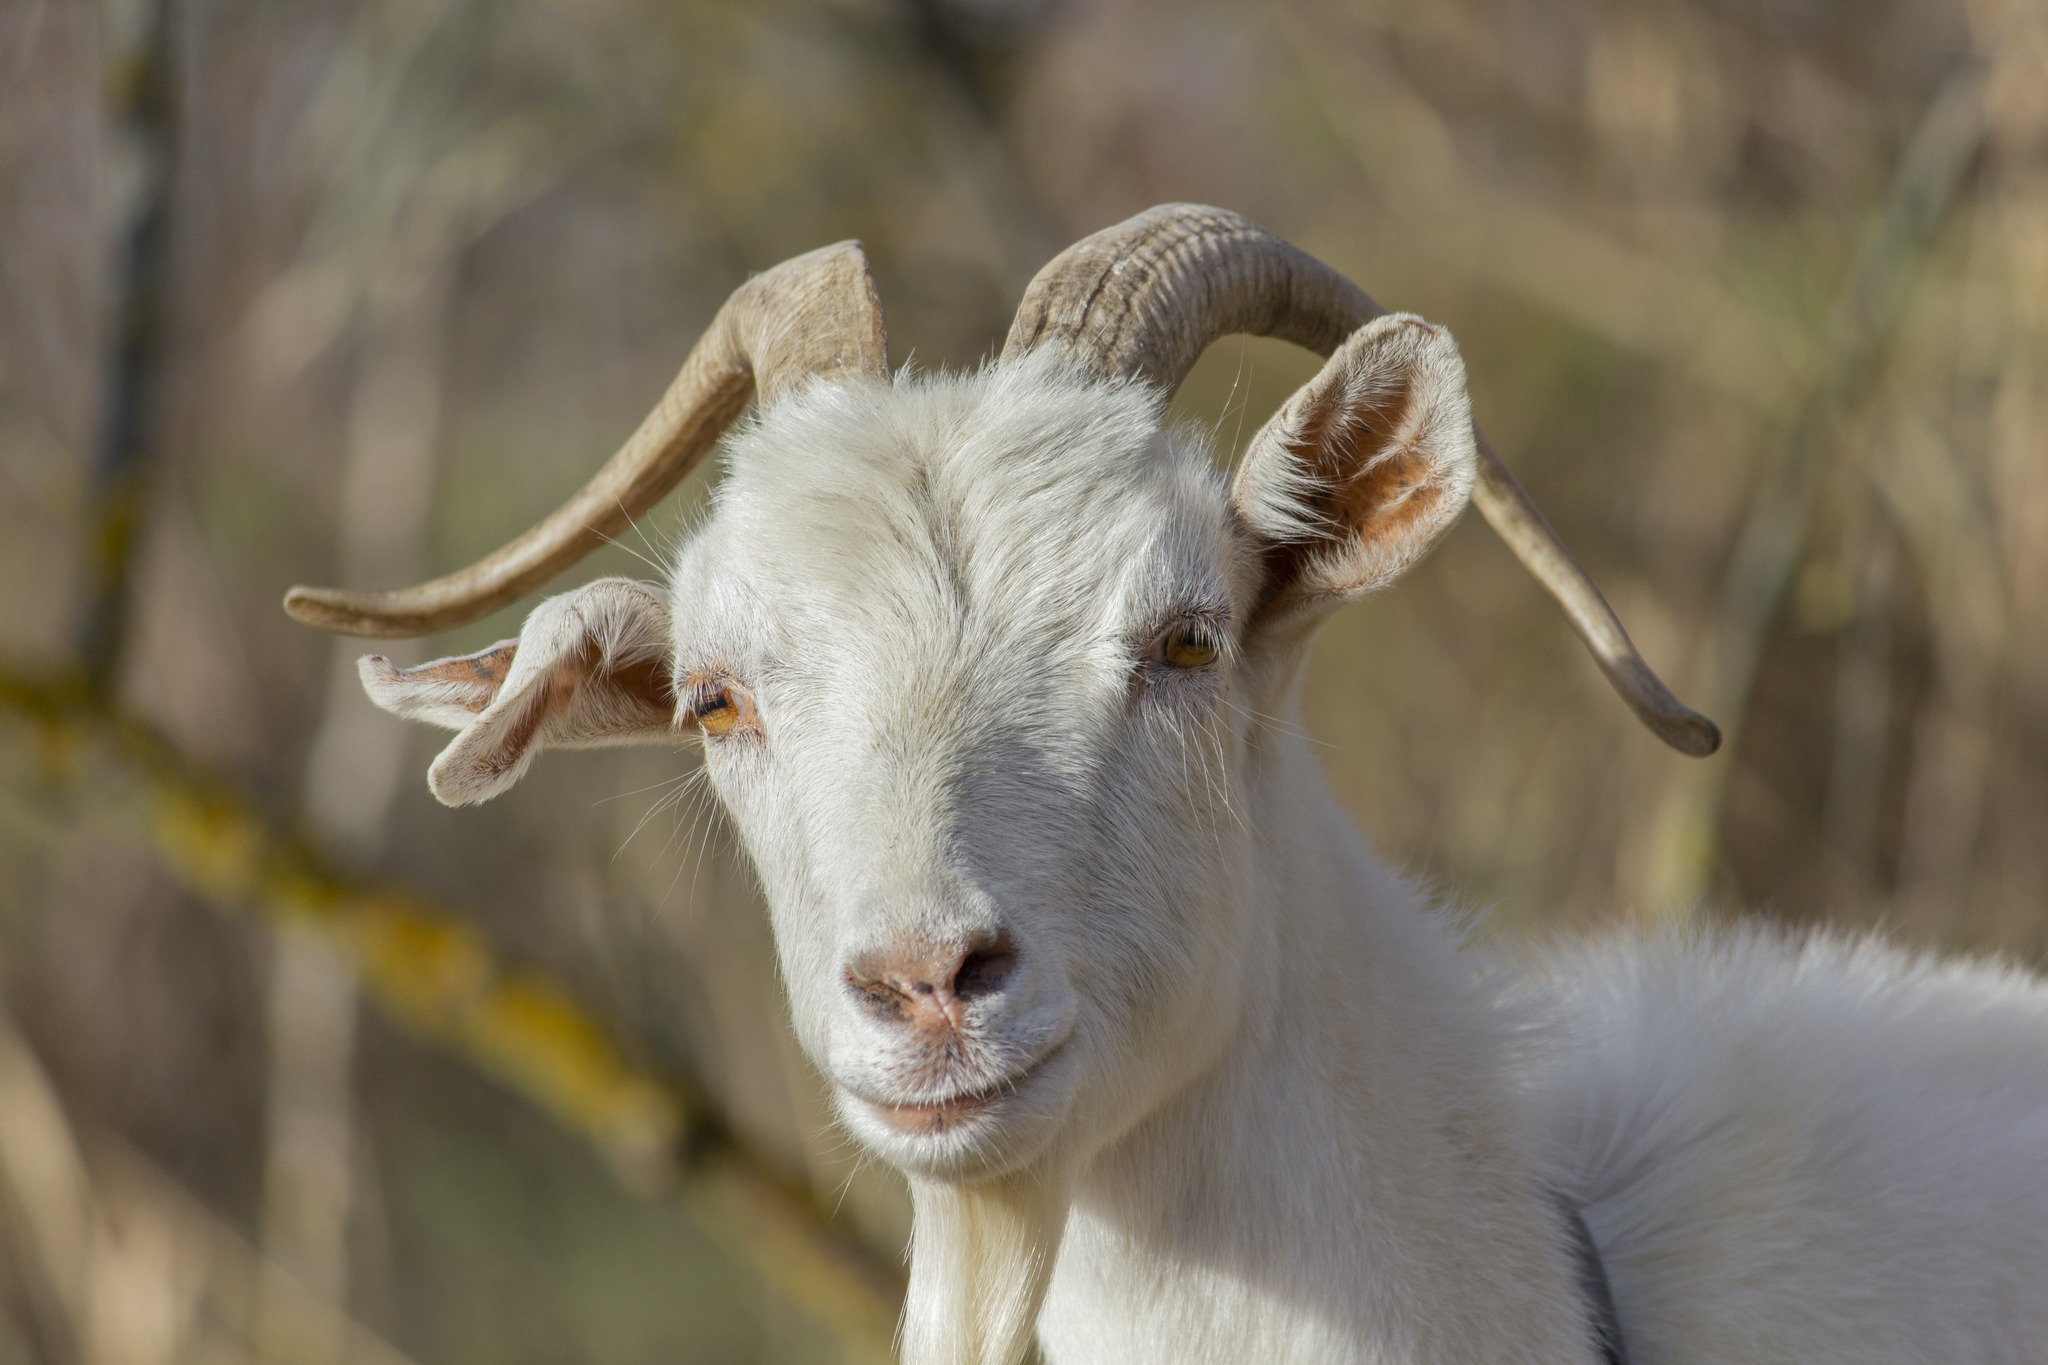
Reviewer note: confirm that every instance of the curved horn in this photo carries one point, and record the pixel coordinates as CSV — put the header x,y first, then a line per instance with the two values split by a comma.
x,y
816,314
1145,298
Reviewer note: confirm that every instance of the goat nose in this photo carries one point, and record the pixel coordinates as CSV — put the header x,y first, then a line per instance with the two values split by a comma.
x,y
929,985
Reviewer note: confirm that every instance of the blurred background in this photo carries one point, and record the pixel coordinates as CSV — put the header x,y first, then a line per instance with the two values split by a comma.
x,y
297,1066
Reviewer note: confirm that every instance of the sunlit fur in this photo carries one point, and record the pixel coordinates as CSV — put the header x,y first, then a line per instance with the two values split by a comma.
x,y
1824,1150
1272,1106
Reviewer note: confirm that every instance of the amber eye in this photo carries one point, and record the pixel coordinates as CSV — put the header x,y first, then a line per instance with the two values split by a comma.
x,y
719,710
1189,645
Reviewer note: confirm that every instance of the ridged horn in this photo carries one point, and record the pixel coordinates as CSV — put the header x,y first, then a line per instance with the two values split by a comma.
x,y
813,315
1145,298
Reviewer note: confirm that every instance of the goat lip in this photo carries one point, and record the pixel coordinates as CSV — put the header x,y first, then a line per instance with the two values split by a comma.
x,y
920,1120
928,1118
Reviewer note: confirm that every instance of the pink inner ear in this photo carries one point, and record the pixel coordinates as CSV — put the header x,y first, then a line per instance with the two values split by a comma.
x,y
1370,482
477,675
649,682
585,700
1369,461
518,734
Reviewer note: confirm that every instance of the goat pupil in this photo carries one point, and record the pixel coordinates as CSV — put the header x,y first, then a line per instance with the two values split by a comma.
x,y
1189,647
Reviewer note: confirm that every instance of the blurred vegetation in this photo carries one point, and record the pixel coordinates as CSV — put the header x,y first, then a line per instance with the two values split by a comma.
x,y
1754,298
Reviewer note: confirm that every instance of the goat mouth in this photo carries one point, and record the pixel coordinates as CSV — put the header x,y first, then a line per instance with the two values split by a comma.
x,y
929,1118
922,1120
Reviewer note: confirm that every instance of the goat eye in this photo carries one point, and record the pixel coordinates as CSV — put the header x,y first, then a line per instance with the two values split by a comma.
x,y
721,710
1189,645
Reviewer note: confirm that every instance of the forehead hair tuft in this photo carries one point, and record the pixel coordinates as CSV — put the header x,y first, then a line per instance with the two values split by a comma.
x,y
1018,478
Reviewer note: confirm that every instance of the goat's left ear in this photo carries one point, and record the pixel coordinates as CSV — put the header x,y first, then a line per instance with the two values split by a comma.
x,y
1360,471
590,668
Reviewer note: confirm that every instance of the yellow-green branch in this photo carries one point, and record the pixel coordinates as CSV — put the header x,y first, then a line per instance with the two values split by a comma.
x,y
437,976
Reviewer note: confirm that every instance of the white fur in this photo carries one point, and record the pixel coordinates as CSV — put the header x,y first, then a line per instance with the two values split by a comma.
x,y
1263,1103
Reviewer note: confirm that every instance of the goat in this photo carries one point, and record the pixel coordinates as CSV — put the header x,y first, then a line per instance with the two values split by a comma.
x,y
998,678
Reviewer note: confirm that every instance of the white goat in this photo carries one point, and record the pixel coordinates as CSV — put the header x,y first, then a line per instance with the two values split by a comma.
x,y
998,679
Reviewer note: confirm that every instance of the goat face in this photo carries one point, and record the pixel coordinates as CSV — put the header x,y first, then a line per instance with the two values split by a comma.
x,y
979,635
975,662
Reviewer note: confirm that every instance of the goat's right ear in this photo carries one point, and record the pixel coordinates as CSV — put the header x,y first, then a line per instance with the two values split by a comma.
x,y
1360,472
589,668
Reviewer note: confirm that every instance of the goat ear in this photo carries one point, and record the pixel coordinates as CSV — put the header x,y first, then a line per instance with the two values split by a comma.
x,y
589,668
1360,471
447,692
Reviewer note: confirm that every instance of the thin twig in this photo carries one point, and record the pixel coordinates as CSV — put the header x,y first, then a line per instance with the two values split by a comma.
x,y
146,119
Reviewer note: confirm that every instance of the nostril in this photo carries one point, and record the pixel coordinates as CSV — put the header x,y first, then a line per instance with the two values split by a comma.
x,y
878,995
987,969
916,984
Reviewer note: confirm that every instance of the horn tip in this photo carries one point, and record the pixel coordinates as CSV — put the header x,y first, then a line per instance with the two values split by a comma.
x,y
1692,734
336,612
